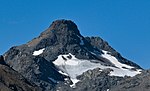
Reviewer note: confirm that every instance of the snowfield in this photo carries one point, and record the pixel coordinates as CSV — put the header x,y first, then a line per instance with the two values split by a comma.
x,y
71,66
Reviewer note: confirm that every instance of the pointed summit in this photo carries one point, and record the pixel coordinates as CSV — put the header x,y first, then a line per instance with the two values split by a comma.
x,y
63,27
59,32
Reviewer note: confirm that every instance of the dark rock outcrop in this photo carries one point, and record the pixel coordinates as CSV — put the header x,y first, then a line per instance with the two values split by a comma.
x,y
140,82
96,80
2,60
11,80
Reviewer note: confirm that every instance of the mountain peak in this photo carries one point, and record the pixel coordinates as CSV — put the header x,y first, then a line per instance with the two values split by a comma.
x,y
60,56
62,26
59,32
58,23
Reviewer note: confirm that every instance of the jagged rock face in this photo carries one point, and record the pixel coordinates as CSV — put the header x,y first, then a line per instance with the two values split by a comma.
x,y
35,59
35,68
60,32
62,37
100,44
95,80
10,80
140,82
2,60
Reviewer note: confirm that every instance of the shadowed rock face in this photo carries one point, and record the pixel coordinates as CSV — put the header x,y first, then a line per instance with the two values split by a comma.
x,y
2,60
11,80
62,37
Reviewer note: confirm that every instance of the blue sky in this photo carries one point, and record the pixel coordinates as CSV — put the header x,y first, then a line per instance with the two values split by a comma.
x,y
125,24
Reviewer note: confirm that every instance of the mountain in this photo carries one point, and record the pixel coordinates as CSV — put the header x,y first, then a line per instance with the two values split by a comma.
x,y
61,59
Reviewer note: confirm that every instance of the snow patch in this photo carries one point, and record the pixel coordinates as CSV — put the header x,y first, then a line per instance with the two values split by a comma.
x,y
120,71
74,82
66,79
73,67
124,72
63,73
64,60
113,60
36,53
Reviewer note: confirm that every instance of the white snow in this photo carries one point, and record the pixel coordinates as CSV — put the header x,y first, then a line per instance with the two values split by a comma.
x,y
123,72
107,89
74,67
74,82
113,60
120,71
61,61
62,73
66,79
36,53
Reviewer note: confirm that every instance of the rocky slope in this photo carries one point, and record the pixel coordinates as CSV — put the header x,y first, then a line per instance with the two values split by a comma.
x,y
139,82
62,59
10,80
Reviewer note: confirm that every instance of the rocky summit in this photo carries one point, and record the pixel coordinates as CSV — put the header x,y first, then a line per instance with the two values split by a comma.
x,y
61,59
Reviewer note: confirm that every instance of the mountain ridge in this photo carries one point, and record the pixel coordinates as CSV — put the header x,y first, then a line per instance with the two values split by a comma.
x,y
59,57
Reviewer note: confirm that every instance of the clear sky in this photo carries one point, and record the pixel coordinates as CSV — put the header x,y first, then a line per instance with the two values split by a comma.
x,y
125,24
